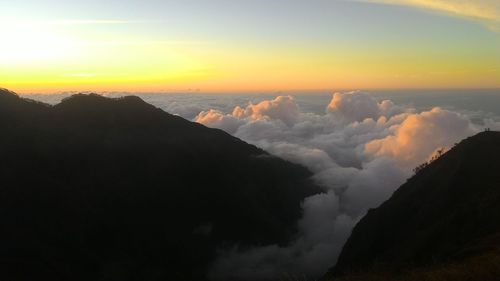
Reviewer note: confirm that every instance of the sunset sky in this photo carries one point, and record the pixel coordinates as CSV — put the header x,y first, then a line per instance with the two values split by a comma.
x,y
244,46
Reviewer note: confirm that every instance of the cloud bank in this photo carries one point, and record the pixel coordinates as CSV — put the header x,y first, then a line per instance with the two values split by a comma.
x,y
360,151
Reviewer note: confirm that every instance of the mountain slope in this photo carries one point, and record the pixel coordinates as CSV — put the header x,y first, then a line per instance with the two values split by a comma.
x,y
116,189
448,213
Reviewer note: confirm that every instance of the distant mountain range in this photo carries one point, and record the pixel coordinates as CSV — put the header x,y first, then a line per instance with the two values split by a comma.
x,y
442,224
115,189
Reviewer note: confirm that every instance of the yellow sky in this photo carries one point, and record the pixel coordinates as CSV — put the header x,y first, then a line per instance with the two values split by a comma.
x,y
41,55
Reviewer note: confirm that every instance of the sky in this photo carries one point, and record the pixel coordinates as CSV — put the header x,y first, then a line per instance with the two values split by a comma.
x,y
52,46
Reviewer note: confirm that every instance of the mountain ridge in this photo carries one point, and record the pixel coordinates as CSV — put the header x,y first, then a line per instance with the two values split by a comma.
x,y
446,213
96,188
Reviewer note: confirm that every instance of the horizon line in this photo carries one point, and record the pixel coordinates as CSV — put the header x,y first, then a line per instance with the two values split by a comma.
x,y
229,92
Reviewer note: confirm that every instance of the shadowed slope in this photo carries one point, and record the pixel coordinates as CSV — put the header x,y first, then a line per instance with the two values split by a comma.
x,y
116,189
448,212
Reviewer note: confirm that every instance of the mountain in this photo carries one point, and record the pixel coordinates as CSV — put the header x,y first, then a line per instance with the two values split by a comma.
x,y
96,188
442,224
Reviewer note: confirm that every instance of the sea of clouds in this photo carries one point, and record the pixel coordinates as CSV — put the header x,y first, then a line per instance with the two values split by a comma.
x,y
360,148
360,151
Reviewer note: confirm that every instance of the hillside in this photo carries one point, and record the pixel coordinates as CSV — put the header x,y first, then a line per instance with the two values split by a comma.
x,y
442,224
115,189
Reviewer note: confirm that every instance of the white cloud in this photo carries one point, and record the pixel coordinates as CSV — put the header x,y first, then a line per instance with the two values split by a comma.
x,y
419,135
219,120
282,108
360,151
357,106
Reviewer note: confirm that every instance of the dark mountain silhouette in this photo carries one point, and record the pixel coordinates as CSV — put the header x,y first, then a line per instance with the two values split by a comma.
x,y
115,189
442,224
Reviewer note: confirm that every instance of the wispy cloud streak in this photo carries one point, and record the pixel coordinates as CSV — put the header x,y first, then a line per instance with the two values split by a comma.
x,y
485,11
75,21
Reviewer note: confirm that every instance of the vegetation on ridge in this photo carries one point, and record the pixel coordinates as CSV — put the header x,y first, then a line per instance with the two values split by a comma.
x,y
442,224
